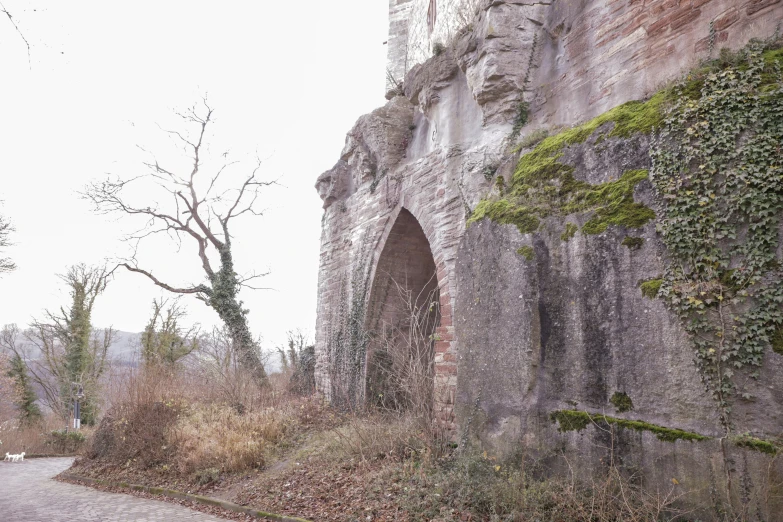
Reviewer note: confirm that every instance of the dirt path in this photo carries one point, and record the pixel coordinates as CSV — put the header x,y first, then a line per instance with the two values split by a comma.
x,y
28,494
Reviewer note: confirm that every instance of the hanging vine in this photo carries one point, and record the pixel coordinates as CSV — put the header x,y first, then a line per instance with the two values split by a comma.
x,y
347,337
718,171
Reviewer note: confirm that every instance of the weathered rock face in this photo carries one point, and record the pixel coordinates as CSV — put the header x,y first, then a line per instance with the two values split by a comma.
x,y
535,320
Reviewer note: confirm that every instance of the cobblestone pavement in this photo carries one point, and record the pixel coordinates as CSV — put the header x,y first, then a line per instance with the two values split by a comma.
x,y
28,494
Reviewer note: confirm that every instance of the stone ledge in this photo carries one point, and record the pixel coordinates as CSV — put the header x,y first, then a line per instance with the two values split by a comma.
x,y
207,501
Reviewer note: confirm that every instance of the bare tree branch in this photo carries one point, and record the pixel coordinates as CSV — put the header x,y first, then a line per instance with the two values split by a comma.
x,y
197,204
192,290
11,19
6,265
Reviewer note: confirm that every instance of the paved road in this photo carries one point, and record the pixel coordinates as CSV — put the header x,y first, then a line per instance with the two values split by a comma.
x,y
27,494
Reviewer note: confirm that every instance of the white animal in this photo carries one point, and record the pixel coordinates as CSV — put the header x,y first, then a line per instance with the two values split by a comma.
x,y
15,458
7,456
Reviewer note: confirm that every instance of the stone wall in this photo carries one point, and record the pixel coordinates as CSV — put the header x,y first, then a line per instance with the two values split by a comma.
x,y
397,56
597,54
520,338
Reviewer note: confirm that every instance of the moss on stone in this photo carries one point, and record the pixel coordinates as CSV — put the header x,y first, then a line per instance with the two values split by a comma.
x,y
576,420
618,206
542,186
773,56
755,444
570,420
622,402
500,184
777,340
527,252
504,212
651,287
633,243
569,232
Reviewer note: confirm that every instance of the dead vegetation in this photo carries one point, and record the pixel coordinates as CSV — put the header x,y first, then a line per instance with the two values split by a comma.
x,y
206,425
270,447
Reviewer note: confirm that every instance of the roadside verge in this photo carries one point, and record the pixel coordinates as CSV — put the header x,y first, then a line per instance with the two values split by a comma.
x,y
207,501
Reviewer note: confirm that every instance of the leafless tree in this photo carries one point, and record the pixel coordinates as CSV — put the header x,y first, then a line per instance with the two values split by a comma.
x,y
195,208
164,340
221,365
6,265
12,341
19,31
9,391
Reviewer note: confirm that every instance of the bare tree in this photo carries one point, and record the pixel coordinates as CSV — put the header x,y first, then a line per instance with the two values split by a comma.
x,y
298,361
164,341
38,357
64,350
19,31
220,364
6,265
9,389
199,210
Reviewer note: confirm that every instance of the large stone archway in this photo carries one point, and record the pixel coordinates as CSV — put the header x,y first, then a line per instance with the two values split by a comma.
x,y
402,316
410,297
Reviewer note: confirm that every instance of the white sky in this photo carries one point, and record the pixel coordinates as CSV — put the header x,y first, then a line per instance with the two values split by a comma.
x,y
288,79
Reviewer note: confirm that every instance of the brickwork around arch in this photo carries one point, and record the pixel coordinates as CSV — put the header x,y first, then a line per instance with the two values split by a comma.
x,y
364,221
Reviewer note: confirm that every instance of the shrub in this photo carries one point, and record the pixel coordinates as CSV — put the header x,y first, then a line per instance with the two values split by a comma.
x,y
64,442
478,486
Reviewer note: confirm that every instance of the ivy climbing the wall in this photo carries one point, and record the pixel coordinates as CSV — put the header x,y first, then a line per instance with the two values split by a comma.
x,y
347,338
718,171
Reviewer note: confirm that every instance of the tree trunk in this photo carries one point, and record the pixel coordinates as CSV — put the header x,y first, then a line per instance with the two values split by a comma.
x,y
223,299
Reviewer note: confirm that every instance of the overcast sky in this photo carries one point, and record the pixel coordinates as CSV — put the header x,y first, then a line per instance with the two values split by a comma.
x,y
286,79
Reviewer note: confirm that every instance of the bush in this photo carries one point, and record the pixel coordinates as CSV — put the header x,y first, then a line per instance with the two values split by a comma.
x,y
64,442
175,421
136,432
481,487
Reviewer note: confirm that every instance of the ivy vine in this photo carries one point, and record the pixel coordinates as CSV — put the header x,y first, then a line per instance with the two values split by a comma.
x,y
347,337
718,171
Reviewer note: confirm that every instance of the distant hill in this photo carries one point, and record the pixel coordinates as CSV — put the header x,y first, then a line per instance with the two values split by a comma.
x,y
123,350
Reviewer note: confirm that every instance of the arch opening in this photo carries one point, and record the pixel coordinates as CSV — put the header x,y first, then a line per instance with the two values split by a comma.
x,y
403,314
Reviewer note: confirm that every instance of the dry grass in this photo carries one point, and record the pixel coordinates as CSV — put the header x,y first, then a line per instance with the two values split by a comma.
x,y
176,427
216,437
478,485
46,437
177,421
364,438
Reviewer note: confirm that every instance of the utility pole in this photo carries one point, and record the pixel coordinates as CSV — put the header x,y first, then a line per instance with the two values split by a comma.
x,y
77,417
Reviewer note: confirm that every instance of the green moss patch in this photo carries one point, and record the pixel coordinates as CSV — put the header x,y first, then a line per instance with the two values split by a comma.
x,y
505,212
633,243
527,252
755,444
622,402
569,232
542,186
617,206
650,288
500,184
570,420
576,420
